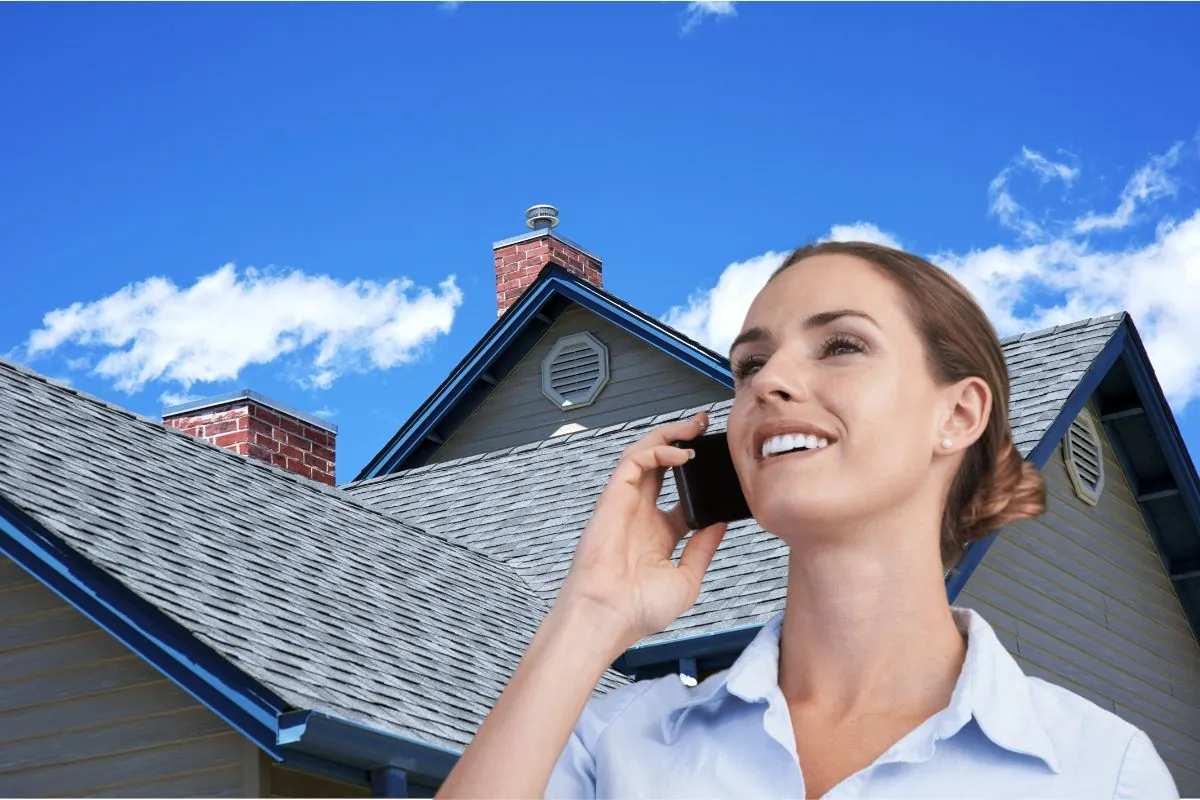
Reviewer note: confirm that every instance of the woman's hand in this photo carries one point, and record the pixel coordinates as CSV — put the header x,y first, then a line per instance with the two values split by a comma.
x,y
622,569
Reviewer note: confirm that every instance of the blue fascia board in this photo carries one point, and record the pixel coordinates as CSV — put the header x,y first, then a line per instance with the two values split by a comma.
x,y
245,704
695,646
1162,422
552,280
353,744
1040,455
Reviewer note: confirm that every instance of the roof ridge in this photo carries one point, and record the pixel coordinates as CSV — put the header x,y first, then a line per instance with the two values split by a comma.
x,y
273,473
1085,322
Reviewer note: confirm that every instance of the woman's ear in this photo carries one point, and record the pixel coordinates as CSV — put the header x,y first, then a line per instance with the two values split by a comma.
x,y
968,406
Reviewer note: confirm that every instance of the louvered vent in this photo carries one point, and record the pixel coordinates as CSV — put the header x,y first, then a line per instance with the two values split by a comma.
x,y
575,371
1084,457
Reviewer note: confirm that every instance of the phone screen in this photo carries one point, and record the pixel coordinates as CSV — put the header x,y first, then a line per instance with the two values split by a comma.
x,y
709,491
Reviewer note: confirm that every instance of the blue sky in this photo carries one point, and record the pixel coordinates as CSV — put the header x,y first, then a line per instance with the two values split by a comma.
x,y
301,198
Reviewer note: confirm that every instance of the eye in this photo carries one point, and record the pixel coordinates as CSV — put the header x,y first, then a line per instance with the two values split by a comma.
x,y
841,344
745,367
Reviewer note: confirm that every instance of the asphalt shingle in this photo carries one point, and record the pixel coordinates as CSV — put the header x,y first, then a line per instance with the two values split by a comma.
x,y
528,505
334,605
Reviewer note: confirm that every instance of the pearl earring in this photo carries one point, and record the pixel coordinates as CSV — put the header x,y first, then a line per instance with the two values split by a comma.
x,y
947,444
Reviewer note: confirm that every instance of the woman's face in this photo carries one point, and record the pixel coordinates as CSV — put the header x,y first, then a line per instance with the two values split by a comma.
x,y
828,356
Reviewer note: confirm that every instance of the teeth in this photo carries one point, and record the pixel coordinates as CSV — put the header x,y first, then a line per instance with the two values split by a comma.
x,y
787,442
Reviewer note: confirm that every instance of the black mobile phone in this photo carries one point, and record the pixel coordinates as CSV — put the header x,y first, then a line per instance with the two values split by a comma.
x,y
709,491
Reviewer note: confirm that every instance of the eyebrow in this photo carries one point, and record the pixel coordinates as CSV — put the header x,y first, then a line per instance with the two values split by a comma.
x,y
818,320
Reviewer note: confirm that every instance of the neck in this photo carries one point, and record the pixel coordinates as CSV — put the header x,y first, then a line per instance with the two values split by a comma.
x,y
867,628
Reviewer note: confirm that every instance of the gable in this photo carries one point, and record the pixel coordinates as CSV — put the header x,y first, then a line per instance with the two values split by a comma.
x,y
642,380
1080,597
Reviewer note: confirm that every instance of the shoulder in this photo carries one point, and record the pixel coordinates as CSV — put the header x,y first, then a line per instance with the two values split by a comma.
x,y
1087,736
653,697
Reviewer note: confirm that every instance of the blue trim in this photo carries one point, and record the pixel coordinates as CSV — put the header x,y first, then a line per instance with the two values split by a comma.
x,y
553,280
696,646
389,782
350,743
1041,452
1162,422
166,645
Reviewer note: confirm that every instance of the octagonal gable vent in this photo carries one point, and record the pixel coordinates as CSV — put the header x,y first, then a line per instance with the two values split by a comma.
x,y
575,371
1084,458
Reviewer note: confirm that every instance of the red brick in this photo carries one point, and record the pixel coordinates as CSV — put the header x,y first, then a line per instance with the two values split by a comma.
x,y
241,449
323,452
294,453
291,425
279,460
217,428
313,461
266,415
299,441
259,452
258,426
227,439
267,443
327,479
316,436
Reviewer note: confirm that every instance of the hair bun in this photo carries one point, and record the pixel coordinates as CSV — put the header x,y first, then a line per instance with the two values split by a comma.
x,y
1014,490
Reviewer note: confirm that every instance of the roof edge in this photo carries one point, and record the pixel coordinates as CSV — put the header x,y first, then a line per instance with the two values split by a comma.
x,y
245,704
552,280
330,738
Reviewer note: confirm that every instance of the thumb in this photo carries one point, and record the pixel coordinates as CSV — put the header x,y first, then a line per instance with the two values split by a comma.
x,y
699,551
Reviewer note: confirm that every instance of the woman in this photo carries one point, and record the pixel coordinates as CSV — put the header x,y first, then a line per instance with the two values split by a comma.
x,y
869,683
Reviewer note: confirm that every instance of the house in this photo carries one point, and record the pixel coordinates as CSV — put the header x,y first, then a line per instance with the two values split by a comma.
x,y
190,609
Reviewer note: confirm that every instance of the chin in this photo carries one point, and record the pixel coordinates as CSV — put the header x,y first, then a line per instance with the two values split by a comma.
x,y
787,517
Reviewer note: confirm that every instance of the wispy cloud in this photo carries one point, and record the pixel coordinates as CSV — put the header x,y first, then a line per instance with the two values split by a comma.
x,y
1059,277
449,6
699,10
1005,208
176,398
325,413
1150,183
154,330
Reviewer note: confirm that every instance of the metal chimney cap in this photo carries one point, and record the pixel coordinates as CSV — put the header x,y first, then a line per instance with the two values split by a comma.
x,y
541,216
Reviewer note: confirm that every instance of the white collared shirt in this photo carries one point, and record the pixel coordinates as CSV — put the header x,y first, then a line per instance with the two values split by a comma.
x,y
1002,735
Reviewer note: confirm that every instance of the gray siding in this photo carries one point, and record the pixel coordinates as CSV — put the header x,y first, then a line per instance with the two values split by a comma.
x,y
1081,599
289,782
80,714
642,382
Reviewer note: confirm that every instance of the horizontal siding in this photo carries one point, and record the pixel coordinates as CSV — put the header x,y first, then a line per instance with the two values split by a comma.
x,y
289,782
642,382
82,715
1081,599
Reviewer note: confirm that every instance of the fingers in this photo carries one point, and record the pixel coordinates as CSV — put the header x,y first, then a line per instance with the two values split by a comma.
x,y
636,463
699,551
683,430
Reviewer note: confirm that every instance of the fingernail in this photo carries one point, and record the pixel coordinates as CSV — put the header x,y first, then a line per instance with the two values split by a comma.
x,y
691,454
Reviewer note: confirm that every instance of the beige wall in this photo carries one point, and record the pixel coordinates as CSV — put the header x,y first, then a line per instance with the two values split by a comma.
x,y
642,382
1081,599
81,714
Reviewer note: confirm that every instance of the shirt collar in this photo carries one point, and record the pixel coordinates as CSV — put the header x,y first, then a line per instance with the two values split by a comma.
x,y
991,688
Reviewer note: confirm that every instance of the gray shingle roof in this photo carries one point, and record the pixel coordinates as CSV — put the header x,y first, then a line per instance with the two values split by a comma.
x,y
527,505
330,603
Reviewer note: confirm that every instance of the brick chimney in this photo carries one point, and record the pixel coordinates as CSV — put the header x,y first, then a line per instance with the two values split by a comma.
x,y
521,258
251,425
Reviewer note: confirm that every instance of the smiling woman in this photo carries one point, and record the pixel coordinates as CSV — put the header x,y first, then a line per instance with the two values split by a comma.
x,y
869,431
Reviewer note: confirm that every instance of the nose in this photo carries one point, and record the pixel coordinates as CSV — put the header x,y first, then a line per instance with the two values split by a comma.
x,y
779,380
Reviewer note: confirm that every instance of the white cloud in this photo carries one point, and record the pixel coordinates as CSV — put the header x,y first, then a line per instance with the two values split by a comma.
x,y
81,363
325,413
176,398
1149,183
1005,208
862,232
449,6
228,320
698,10
1059,278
